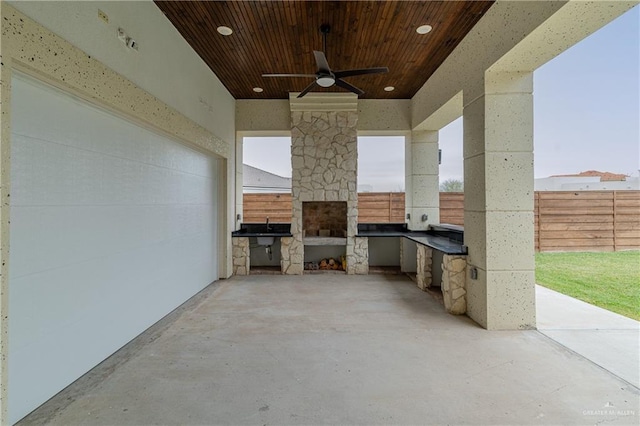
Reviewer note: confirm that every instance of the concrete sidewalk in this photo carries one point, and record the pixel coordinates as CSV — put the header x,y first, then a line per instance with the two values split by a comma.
x,y
605,338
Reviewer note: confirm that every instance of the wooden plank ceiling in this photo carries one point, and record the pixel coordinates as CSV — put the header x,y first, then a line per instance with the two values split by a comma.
x,y
280,36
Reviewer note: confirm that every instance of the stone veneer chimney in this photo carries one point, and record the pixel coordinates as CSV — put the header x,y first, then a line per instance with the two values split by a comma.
x,y
324,159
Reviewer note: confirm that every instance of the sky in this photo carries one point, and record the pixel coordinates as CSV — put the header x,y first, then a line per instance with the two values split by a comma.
x,y
586,117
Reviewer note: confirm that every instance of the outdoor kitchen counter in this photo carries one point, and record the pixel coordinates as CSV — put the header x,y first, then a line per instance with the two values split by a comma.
x,y
445,238
263,230
442,244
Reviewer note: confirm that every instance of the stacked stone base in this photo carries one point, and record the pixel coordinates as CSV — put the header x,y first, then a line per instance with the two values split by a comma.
x,y
241,256
454,277
358,258
292,252
423,273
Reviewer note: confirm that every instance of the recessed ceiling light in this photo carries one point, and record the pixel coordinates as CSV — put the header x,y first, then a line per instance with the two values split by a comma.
x,y
258,89
389,89
225,31
423,29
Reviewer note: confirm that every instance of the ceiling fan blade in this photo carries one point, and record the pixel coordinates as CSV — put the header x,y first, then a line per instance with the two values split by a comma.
x,y
321,61
361,71
289,75
307,89
349,87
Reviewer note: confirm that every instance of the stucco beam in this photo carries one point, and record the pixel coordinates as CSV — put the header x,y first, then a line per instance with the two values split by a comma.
x,y
33,49
447,113
193,90
512,36
504,25
256,115
264,117
384,115
576,20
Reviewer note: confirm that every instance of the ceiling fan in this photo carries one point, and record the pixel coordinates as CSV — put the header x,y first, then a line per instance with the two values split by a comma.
x,y
324,77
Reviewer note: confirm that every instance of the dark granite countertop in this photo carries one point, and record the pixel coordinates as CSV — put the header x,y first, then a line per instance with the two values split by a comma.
x,y
442,244
261,230
382,230
443,237
381,234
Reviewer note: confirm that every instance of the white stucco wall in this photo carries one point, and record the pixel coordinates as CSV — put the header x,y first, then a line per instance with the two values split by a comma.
x,y
133,94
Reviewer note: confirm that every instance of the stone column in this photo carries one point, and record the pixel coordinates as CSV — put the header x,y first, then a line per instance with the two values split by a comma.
x,y
421,180
241,256
498,205
424,259
324,164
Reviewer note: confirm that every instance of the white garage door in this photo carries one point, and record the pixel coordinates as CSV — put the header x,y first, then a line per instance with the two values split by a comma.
x,y
112,227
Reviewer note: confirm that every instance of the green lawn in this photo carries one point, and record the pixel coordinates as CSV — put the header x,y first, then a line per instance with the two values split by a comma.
x,y
608,280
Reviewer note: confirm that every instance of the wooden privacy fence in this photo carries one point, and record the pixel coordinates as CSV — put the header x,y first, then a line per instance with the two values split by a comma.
x,y
373,207
452,208
587,220
564,220
381,207
258,207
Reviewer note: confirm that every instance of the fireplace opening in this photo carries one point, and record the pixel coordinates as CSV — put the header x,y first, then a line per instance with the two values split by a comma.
x,y
324,219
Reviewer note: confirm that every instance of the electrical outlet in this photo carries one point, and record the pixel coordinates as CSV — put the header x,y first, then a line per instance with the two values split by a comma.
x,y
132,44
103,16
474,273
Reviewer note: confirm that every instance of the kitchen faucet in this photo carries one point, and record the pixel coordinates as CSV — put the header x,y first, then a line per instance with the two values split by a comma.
x,y
268,228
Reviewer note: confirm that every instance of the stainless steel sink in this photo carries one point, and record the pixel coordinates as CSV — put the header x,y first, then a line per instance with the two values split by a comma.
x,y
266,241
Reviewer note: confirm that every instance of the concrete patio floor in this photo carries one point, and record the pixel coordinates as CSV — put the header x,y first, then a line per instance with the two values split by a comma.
x,y
337,349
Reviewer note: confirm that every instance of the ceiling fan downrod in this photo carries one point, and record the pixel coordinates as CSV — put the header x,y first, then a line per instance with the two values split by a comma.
x,y
325,29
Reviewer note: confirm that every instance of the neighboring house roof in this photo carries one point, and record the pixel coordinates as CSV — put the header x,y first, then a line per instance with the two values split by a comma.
x,y
258,179
604,176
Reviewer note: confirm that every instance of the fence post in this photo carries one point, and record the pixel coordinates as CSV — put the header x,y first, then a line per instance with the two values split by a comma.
x,y
536,214
615,234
